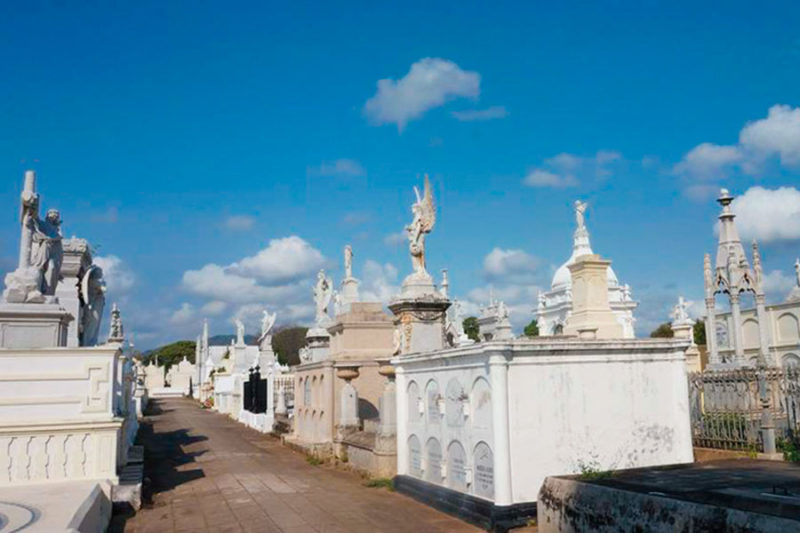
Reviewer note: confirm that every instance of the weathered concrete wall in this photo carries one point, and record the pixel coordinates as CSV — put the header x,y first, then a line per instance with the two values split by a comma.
x,y
573,506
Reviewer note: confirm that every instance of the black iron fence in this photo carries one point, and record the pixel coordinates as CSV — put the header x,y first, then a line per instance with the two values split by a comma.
x,y
728,406
255,392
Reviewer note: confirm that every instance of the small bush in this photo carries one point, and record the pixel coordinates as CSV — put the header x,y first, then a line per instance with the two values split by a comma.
x,y
313,460
380,483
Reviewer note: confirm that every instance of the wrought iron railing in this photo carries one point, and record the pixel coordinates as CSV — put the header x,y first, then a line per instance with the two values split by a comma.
x,y
727,406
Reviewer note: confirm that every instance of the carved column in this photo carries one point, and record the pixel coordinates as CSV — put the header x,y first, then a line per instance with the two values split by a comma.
x,y
498,374
763,336
738,339
711,333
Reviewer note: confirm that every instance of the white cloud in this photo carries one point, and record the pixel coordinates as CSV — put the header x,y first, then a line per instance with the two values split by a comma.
x,y
339,167
284,260
543,178
379,283
490,113
768,214
395,239
709,161
566,170
119,278
775,137
214,308
430,83
240,222
217,282
184,315
777,285
514,266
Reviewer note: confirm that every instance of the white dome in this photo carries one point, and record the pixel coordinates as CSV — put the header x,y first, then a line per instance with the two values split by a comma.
x,y
563,278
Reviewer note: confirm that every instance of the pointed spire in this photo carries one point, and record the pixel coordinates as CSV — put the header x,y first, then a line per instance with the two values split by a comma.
x,y
758,269
445,283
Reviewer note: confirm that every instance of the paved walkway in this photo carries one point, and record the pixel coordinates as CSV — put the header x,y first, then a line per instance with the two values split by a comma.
x,y
209,473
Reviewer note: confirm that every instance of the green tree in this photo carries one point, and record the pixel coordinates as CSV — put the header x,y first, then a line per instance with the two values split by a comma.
x,y
699,332
172,354
471,328
663,331
532,329
286,343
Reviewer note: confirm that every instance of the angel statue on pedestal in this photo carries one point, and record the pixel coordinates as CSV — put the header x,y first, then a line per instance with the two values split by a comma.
x,y
424,219
267,321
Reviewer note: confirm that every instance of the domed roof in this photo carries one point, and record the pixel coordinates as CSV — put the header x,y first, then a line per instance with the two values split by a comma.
x,y
563,278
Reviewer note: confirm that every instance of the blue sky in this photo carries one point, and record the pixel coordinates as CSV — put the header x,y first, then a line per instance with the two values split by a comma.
x,y
177,137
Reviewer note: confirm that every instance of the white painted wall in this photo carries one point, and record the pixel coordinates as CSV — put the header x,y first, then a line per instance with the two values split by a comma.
x,y
507,414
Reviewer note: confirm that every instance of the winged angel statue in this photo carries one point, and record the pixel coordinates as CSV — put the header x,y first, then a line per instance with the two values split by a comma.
x,y
424,219
323,292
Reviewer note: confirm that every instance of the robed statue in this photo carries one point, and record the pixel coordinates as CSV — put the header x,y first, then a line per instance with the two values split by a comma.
x,y
267,321
424,213
323,292
580,214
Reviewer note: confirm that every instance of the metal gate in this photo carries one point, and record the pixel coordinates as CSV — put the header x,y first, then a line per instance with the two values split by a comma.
x,y
255,392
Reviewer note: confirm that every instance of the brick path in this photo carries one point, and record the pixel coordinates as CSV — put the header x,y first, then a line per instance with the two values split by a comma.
x,y
209,473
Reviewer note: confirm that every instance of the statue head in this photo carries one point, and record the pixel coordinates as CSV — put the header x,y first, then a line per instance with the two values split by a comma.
x,y
53,217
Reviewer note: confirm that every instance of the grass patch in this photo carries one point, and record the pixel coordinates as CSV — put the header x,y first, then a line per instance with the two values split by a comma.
x,y
380,483
313,460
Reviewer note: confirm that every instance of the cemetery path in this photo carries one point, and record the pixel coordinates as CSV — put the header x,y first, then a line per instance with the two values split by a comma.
x,y
209,473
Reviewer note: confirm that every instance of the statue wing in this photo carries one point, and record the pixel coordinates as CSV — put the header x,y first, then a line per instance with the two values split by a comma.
x,y
428,209
93,270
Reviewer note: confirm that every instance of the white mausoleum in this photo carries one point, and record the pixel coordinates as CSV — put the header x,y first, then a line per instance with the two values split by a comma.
x,y
555,305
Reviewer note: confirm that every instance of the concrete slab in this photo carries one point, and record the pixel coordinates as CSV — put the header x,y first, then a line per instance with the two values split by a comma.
x,y
82,506
729,495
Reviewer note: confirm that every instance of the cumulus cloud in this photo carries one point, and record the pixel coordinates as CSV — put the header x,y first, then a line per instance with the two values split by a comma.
x,y
119,278
183,315
379,283
214,308
768,214
709,161
513,266
339,167
567,170
240,222
470,115
775,137
284,260
430,83
777,285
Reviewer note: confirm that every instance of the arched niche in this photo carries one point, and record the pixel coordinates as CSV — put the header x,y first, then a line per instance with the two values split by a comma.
x,y
433,461
788,327
414,457
481,404
432,396
750,333
456,467
413,399
483,479
454,400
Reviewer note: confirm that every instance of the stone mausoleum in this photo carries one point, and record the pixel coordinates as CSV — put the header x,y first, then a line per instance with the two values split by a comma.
x,y
67,413
480,426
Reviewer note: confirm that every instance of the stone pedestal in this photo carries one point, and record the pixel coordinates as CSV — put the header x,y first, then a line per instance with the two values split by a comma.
x,y
77,259
348,414
30,326
420,314
388,402
318,343
280,408
349,293
591,317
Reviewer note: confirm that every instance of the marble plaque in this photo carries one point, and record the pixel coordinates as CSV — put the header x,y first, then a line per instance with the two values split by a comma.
x,y
484,471
454,403
414,457
413,402
457,467
433,462
432,403
481,403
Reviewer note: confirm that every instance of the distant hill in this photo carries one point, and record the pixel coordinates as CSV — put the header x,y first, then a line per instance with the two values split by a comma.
x,y
225,340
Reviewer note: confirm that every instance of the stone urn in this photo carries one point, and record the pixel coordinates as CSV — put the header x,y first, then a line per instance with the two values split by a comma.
x,y
347,373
